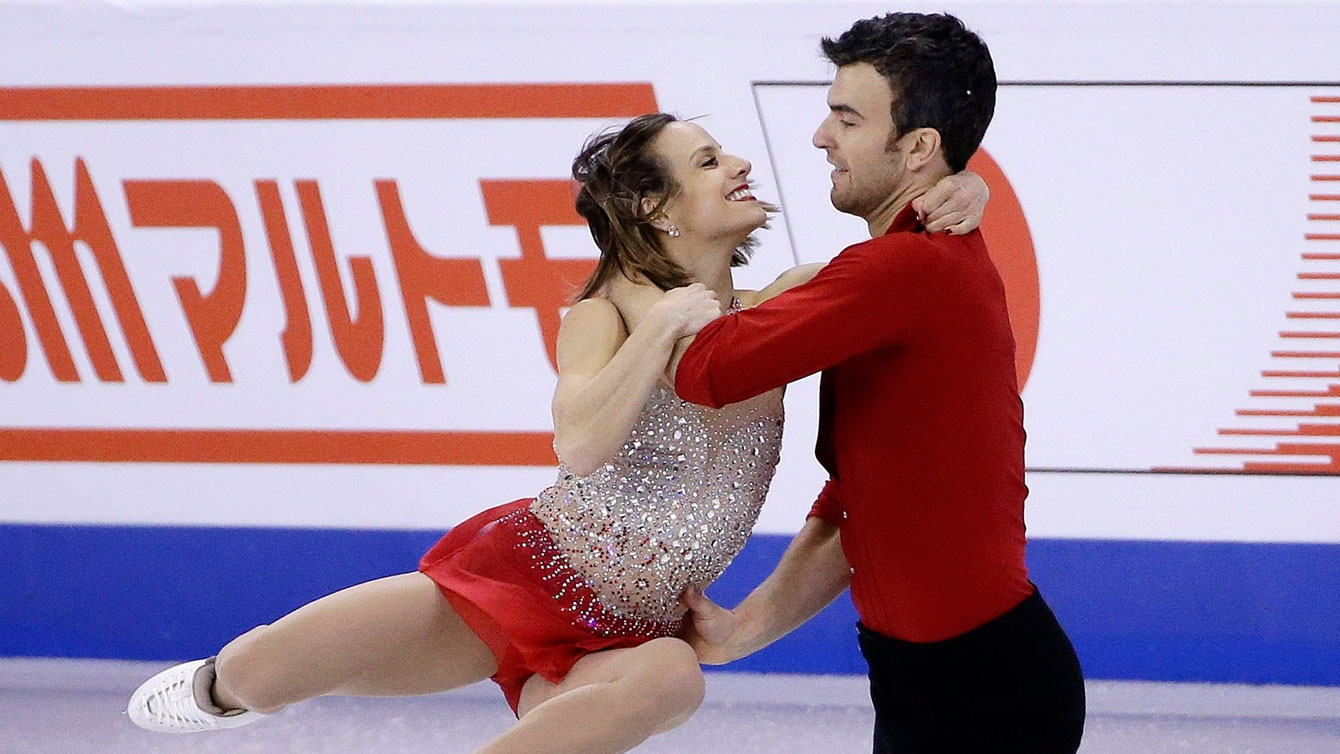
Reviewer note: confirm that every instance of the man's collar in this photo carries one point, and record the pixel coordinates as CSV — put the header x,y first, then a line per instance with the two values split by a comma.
x,y
905,221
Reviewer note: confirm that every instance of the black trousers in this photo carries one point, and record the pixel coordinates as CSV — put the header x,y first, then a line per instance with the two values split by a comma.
x,y
1010,685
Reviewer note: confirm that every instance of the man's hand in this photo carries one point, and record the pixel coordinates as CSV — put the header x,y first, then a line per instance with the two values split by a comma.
x,y
812,572
955,204
712,630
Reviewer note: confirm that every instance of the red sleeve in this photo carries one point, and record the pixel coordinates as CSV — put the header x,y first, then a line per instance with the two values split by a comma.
x,y
872,295
829,505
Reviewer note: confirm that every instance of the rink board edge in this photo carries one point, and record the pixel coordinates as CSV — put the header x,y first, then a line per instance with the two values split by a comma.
x,y
1143,610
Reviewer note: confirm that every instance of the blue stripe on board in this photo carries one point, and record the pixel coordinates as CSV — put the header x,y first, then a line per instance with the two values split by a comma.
x,y
1178,611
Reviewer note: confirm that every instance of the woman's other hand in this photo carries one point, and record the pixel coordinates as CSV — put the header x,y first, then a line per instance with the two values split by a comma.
x,y
686,310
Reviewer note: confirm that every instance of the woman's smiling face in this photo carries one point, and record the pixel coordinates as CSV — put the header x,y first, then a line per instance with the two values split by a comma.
x,y
714,200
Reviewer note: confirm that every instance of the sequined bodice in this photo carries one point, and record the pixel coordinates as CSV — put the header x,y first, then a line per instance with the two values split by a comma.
x,y
672,507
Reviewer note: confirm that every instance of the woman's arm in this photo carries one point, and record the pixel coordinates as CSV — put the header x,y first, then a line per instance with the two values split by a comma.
x,y
788,280
605,373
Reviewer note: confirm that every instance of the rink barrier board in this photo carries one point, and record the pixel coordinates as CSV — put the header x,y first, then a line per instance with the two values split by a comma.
x,y
1150,610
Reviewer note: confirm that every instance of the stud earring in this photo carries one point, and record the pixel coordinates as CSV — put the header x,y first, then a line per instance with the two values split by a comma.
x,y
673,232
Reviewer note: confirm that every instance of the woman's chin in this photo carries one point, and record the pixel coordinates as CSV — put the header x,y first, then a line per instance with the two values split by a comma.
x,y
759,222
742,239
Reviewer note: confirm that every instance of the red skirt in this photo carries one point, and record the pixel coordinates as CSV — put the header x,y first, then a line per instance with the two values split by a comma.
x,y
503,575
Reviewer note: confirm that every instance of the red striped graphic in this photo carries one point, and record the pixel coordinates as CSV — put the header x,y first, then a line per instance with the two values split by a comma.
x,y
1288,468
1320,410
1310,430
1313,446
1295,373
1333,392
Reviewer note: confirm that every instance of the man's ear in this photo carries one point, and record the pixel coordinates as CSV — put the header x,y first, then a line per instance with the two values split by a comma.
x,y
659,221
922,147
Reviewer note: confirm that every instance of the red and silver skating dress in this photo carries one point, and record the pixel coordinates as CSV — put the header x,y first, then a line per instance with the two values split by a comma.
x,y
599,561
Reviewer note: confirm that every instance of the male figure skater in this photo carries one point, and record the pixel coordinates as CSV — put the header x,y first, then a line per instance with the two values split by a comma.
x,y
921,425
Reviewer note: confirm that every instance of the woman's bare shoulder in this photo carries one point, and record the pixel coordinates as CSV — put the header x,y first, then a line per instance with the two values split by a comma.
x,y
748,298
787,280
596,310
591,332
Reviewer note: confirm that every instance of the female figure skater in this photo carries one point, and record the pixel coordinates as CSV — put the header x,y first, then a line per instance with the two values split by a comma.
x,y
570,601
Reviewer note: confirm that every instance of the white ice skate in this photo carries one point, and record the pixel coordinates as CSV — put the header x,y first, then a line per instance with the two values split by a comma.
x,y
167,702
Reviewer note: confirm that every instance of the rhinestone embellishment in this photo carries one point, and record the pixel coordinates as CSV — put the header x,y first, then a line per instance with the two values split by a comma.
x,y
672,507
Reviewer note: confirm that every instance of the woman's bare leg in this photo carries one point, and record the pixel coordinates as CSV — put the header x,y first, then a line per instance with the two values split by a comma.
x,y
392,636
610,702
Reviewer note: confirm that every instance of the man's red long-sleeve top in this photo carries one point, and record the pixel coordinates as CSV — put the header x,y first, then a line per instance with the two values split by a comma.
x,y
920,421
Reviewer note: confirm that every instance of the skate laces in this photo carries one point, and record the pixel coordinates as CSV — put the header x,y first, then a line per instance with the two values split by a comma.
x,y
173,704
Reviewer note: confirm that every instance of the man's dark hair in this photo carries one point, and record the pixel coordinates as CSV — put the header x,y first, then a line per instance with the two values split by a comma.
x,y
940,73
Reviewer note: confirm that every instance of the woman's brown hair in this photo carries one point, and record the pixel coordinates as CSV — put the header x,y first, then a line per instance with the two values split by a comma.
x,y
616,170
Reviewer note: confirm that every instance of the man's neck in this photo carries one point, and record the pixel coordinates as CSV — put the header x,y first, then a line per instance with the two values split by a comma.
x,y
879,221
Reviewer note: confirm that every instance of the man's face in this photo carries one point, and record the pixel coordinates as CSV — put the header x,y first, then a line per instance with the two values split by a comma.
x,y
856,137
